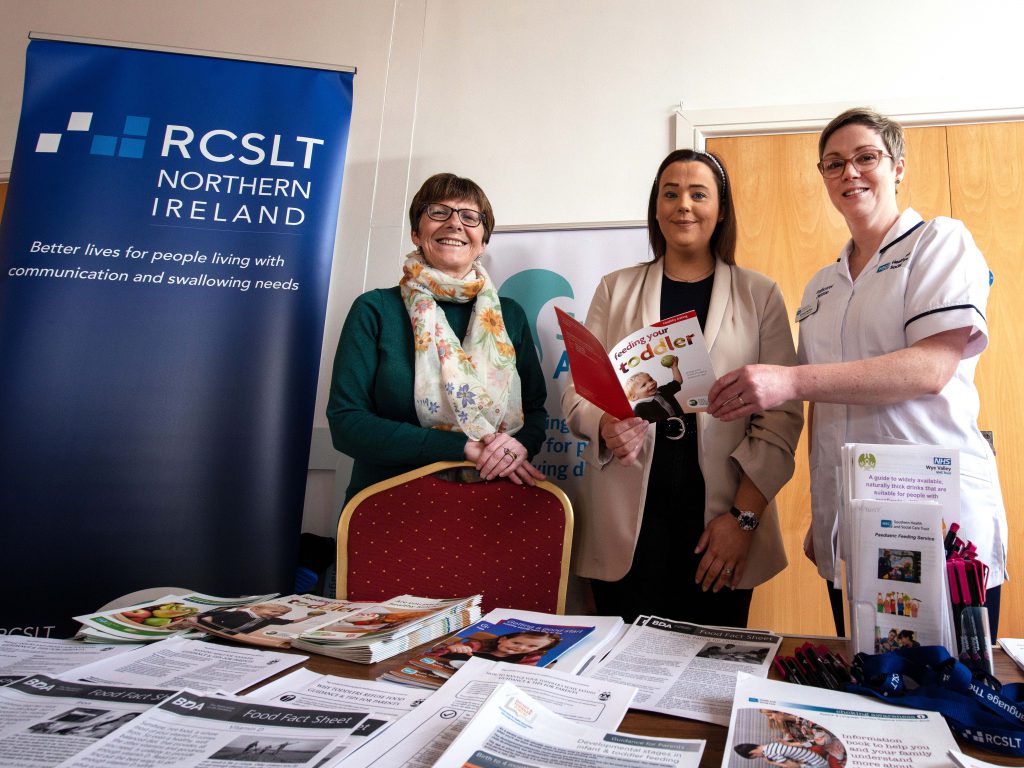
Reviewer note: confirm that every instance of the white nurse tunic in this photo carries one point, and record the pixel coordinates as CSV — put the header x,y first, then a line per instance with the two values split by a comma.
x,y
927,277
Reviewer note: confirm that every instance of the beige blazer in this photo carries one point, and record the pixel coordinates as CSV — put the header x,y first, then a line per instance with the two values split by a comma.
x,y
747,323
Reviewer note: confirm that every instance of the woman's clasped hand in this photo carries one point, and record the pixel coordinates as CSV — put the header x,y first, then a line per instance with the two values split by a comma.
x,y
501,455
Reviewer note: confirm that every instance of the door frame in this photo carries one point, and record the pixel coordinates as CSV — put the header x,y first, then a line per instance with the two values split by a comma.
x,y
692,127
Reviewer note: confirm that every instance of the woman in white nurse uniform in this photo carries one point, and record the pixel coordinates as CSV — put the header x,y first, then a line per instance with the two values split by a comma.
x,y
890,335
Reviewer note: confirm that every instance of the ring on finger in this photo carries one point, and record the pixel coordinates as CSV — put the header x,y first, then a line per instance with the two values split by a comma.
x,y
740,398
511,454
727,571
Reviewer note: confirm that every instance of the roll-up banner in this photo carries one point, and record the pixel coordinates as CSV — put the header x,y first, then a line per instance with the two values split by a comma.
x,y
165,254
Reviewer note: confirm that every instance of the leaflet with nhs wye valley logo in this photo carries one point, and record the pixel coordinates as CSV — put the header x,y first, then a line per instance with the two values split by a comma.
x,y
658,372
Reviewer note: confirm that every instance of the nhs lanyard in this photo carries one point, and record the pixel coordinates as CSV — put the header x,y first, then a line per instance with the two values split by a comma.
x,y
978,709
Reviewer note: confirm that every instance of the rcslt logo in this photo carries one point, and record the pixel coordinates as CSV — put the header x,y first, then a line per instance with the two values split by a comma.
x,y
218,145
131,144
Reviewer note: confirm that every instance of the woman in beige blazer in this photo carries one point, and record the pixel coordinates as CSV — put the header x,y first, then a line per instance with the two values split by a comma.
x,y
669,515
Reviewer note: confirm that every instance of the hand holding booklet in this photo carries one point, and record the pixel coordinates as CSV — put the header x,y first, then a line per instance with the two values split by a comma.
x,y
658,372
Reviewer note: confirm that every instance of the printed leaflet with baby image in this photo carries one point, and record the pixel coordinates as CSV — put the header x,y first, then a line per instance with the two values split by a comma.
x,y
658,372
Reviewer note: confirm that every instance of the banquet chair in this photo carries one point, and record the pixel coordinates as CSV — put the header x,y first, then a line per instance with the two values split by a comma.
x,y
422,534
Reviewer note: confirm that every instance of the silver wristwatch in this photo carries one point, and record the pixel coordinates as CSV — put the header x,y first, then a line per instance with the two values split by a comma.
x,y
747,520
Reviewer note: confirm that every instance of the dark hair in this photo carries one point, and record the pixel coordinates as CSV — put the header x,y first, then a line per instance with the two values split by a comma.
x,y
723,239
890,131
553,640
448,186
745,750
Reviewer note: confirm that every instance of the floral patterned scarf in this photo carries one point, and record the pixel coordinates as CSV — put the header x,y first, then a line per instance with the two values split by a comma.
x,y
472,385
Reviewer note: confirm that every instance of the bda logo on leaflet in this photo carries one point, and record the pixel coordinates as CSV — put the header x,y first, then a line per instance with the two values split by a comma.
x,y
131,144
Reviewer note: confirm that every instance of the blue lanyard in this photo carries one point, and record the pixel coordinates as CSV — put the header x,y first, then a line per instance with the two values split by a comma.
x,y
977,708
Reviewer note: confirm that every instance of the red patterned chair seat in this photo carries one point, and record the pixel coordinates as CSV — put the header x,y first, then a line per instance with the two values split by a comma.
x,y
422,535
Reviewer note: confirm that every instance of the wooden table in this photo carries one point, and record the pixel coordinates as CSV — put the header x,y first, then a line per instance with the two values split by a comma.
x,y
653,724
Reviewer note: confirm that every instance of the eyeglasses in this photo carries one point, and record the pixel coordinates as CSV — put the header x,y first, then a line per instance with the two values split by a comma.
x,y
442,212
866,160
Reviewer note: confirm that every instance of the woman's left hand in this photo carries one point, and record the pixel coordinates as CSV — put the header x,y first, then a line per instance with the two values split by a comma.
x,y
504,456
725,547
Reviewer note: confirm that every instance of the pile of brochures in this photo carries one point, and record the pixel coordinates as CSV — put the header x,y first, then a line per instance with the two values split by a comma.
x,y
379,631
157,619
891,539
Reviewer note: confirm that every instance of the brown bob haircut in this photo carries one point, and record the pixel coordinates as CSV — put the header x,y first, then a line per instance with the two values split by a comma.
x,y
890,131
448,186
723,239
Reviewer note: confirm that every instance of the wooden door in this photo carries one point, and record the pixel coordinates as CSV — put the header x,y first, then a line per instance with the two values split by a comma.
x,y
788,229
986,165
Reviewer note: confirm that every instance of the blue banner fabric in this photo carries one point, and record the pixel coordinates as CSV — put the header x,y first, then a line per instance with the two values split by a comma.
x,y
165,254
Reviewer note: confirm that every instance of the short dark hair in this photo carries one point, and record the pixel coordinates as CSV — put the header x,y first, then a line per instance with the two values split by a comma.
x,y
723,239
890,131
448,186
745,750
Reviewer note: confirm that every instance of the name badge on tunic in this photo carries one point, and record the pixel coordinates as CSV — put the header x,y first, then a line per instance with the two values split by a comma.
x,y
807,310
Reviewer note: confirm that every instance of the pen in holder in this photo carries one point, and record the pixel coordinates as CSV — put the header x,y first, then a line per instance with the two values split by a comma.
x,y
968,581
976,639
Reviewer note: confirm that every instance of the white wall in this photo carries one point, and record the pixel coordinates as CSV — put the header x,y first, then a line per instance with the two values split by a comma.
x,y
560,110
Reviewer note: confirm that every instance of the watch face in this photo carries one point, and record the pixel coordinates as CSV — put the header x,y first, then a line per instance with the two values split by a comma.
x,y
748,521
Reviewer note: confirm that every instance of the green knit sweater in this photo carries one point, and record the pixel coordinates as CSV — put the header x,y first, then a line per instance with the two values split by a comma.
x,y
371,411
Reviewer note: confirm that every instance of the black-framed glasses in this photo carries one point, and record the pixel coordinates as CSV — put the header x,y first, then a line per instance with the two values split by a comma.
x,y
865,160
442,212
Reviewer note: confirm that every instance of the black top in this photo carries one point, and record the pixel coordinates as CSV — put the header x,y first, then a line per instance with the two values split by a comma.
x,y
678,297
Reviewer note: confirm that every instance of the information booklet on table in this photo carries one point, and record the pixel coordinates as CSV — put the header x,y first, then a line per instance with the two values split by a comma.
x,y
45,720
686,670
156,620
913,474
180,663
25,655
419,738
190,730
785,724
898,597
302,688
514,730
657,372
896,502
324,625
381,630
511,640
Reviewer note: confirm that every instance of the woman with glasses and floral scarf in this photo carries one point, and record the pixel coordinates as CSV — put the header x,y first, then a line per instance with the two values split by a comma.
x,y
890,335
438,368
